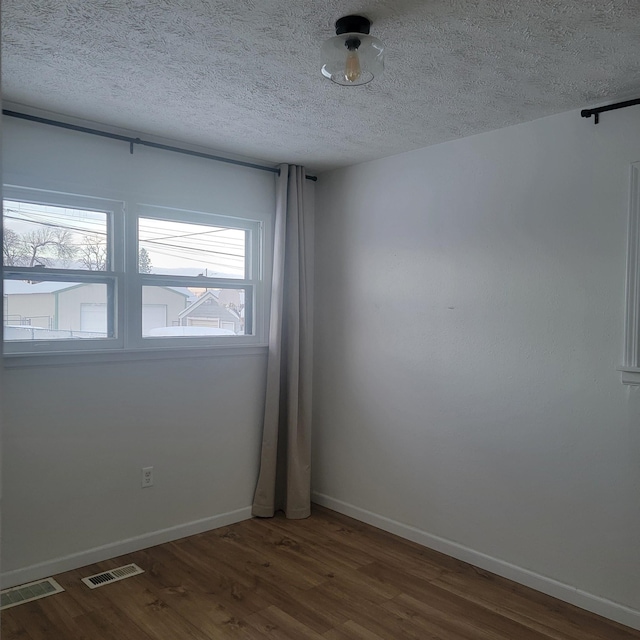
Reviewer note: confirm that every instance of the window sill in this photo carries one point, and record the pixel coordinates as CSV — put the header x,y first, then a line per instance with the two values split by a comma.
x,y
630,375
24,361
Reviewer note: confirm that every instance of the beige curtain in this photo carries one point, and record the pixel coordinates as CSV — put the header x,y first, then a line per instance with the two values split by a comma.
x,y
284,482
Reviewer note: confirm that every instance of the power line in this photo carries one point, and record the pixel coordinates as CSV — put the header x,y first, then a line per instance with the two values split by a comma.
x,y
181,252
195,233
37,218
182,248
221,241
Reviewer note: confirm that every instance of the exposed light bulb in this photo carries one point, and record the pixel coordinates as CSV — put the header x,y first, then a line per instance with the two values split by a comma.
x,y
352,69
363,59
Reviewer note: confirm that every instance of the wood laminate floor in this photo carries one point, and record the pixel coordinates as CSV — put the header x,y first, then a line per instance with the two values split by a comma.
x,y
325,577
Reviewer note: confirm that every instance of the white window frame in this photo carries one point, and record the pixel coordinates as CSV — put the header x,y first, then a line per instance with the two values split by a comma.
x,y
114,277
631,364
127,282
252,280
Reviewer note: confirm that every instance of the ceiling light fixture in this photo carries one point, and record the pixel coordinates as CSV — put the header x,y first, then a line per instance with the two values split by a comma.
x,y
352,57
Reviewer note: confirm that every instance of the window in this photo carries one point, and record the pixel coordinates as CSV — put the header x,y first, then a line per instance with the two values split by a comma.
x,y
62,271
202,270
80,275
631,367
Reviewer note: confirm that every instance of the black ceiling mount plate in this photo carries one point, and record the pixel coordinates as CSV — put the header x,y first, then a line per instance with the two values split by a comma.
x,y
353,24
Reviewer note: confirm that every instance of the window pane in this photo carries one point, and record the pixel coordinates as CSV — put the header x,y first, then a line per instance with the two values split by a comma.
x,y
185,249
55,237
188,312
48,310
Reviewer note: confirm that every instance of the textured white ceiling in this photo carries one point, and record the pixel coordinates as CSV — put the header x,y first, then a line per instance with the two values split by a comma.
x,y
244,76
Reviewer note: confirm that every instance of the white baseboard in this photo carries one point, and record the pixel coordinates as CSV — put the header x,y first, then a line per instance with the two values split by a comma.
x,y
122,547
601,606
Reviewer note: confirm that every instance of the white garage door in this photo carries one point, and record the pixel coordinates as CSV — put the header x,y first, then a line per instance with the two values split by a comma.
x,y
154,316
93,317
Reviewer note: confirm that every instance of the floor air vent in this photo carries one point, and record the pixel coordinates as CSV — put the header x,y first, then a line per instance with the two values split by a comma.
x,y
114,575
28,592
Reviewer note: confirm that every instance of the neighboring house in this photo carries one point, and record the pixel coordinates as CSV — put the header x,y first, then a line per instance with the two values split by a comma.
x,y
44,310
31,304
221,310
161,306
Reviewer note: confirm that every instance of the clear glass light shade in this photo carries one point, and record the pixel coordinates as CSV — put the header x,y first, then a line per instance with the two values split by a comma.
x,y
352,58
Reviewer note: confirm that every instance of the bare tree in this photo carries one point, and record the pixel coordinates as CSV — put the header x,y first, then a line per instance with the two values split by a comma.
x,y
93,253
44,245
144,261
12,248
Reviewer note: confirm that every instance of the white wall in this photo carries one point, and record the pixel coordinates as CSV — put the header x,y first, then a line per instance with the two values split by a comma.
x,y
76,437
469,319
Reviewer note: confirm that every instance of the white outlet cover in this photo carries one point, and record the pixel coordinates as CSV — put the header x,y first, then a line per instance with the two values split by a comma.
x,y
147,477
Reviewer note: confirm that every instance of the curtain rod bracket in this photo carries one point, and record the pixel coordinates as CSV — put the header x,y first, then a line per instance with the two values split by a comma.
x,y
132,142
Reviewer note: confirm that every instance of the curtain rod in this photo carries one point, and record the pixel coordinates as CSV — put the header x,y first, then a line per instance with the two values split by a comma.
x,y
146,143
587,113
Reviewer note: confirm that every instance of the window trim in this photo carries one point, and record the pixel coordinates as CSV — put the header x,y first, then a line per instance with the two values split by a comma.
x,y
128,343
630,370
106,356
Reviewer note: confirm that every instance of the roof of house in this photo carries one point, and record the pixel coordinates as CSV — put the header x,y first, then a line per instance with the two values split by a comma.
x,y
20,287
206,306
12,287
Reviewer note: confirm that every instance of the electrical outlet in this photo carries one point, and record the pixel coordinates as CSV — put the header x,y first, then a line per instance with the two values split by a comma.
x,y
147,477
